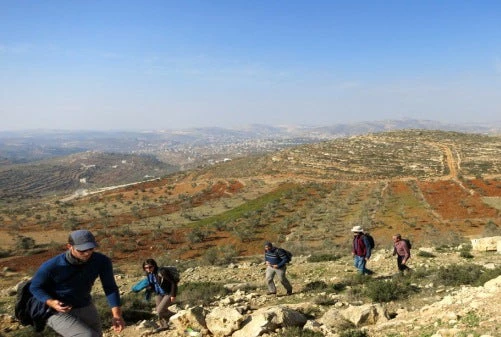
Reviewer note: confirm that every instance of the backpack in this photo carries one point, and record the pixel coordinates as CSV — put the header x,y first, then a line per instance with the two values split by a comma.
x,y
170,272
23,296
30,311
287,253
409,245
370,239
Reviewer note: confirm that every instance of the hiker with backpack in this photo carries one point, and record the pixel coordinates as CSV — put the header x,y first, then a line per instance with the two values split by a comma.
x,y
361,250
163,282
401,248
276,260
64,284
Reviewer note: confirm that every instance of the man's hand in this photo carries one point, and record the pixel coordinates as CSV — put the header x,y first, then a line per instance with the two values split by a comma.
x,y
118,324
58,305
117,321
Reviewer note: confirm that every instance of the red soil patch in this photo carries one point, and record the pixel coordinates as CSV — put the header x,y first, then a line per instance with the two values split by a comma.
x,y
452,202
487,188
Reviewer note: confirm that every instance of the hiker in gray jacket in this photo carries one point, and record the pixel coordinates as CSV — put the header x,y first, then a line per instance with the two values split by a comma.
x,y
276,260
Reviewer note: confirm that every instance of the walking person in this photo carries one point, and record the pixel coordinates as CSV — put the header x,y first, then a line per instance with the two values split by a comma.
x,y
276,264
164,286
361,250
65,281
402,250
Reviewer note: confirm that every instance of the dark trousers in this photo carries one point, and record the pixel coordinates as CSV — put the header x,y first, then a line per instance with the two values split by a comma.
x,y
401,267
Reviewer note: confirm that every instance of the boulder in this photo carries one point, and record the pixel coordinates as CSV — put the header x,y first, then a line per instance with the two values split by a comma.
x,y
269,319
223,321
486,244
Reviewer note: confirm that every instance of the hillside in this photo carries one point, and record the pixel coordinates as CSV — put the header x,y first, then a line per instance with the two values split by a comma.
x,y
438,188
80,171
433,186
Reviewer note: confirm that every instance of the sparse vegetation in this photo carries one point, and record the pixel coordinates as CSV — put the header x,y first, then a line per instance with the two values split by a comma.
x,y
304,198
389,290
298,332
467,274
198,293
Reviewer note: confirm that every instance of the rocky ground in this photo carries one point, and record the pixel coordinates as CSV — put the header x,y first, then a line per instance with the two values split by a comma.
x,y
247,311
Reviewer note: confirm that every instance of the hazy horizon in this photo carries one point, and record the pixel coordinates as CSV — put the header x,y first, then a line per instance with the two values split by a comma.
x,y
162,65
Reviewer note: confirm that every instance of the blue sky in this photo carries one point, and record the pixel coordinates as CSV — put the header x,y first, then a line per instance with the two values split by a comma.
x,y
152,65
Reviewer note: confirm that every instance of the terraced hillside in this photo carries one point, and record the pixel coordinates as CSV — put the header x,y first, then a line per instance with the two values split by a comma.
x,y
87,170
434,187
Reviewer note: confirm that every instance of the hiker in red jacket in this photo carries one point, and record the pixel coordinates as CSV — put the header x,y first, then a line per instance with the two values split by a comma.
x,y
361,250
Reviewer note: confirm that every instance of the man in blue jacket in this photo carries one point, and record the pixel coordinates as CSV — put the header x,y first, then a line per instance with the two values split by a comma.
x,y
65,282
276,259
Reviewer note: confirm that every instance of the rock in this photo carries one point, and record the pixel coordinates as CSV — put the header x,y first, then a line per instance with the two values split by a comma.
x,y
191,318
365,314
269,319
486,244
223,321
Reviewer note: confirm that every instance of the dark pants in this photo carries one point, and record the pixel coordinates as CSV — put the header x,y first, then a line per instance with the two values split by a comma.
x,y
401,267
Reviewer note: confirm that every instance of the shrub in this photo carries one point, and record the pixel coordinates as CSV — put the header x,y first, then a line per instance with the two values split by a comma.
x,y
465,254
200,293
465,251
4,253
323,257
471,319
455,275
298,332
135,308
488,274
353,333
220,255
426,254
24,242
388,290
316,286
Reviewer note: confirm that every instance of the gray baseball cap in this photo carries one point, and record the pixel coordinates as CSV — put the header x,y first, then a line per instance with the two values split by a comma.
x,y
82,240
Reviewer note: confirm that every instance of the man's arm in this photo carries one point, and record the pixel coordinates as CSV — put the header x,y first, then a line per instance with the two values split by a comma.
x,y
112,294
407,252
117,321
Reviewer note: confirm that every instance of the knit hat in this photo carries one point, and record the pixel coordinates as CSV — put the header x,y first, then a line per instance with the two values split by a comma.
x,y
268,244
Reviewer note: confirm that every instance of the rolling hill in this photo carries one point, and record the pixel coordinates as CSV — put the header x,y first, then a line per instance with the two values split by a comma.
x,y
435,187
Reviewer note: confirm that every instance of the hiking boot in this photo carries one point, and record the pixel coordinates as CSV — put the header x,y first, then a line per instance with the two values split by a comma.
x,y
289,293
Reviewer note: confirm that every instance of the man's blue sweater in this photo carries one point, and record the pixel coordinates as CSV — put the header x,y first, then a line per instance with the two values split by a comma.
x,y
72,284
275,256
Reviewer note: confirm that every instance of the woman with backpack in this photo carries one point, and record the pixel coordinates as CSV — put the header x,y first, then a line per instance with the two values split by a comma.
x,y
164,286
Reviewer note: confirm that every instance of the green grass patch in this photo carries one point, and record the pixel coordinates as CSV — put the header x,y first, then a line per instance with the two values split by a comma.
x,y
244,209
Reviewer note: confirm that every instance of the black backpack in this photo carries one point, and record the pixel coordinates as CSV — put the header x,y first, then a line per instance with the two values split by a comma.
x,y
409,245
286,253
171,273
370,239
23,296
30,311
